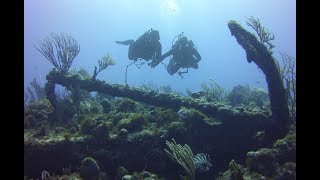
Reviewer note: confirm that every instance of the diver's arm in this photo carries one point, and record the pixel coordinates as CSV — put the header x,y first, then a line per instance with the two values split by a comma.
x,y
158,53
157,58
155,62
169,53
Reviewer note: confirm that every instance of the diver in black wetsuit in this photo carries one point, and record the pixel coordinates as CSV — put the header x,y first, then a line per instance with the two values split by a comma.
x,y
147,47
184,55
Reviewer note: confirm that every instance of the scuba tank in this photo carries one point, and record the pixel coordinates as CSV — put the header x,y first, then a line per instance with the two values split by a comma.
x,y
174,41
150,35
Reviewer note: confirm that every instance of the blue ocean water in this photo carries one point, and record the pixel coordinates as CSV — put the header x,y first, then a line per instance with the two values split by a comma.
x,y
96,24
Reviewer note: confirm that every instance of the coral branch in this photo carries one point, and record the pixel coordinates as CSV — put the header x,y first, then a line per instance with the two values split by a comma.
x,y
104,62
213,91
183,155
288,75
263,34
60,50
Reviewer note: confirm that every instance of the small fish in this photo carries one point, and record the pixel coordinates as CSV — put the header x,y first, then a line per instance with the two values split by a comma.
x,y
257,82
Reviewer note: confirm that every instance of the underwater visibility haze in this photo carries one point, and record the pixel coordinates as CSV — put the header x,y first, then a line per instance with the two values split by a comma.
x,y
92,112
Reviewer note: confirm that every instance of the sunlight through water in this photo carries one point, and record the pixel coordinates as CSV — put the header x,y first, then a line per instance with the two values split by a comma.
x,y
169,8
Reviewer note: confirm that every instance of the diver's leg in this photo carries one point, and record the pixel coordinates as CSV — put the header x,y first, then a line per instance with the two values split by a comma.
x,y
182,72
172,67
195,66
131,53
194,63
127,42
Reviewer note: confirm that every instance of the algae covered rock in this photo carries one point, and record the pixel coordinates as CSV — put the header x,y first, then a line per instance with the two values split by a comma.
x,y
287,171
89,169
87,126
101,131
89,106
263,161
249,96
106,105
145,175
127,105
186,114
196,118
176,128
127,177
133,123
37,111
235,170
163,116
286,146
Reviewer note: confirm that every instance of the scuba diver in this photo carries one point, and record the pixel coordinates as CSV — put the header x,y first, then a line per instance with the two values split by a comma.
x,y
146,47
184,55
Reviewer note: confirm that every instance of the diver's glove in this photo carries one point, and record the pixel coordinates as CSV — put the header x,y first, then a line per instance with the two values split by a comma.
x,y
153,63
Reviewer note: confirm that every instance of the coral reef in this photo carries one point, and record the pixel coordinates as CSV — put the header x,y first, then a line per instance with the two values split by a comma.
x,y
106,137
277,162
36,112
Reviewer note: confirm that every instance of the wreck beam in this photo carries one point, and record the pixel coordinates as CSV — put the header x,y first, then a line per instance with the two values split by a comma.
x,y
259,54
167,100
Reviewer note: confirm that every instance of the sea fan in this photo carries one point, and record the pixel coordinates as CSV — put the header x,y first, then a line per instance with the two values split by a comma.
x,y
202,162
